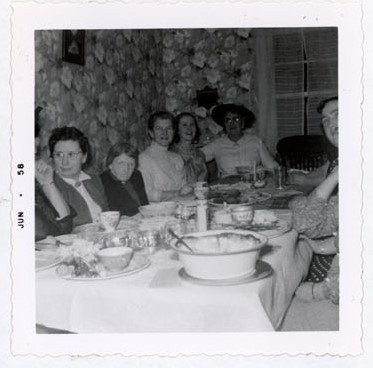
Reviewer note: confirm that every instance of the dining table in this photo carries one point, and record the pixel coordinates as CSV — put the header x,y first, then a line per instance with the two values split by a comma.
x,y
159,299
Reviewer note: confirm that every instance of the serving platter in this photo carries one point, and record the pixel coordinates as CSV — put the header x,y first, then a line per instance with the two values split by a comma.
x,y
45,260
282,225
137,264
262,270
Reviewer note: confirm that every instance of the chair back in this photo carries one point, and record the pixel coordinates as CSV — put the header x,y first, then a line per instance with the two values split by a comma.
x,y
303,152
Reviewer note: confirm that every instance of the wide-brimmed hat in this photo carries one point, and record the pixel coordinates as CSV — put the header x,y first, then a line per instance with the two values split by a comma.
x,y
219,112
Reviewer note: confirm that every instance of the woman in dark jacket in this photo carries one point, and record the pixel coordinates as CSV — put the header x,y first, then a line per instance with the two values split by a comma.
x,y
53,216
123,183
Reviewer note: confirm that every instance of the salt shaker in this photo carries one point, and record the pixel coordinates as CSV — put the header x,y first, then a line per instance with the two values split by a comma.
x,y
202,215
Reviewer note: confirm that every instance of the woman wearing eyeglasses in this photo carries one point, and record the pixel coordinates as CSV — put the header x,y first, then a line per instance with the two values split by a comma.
x,y
70,151
236,148
162,170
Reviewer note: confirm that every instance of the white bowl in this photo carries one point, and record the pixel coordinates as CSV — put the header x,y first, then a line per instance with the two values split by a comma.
x,y
116,258
158,209
221,254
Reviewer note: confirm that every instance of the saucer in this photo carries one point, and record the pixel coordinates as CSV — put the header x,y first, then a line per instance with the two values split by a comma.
x,y
263,270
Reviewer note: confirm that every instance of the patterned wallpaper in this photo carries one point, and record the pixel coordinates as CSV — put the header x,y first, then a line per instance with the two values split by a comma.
x,y
109,97
128,74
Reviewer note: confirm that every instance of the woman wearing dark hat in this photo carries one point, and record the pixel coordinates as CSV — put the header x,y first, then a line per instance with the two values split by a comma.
x,y
236,148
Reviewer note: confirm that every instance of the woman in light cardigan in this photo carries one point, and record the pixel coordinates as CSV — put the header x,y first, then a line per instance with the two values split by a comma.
x,y
163,171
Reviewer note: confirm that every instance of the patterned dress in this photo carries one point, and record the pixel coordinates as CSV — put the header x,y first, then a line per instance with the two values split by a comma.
x,y
317,219
194,160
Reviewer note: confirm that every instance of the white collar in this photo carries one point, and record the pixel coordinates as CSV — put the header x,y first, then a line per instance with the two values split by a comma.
x,y
82,176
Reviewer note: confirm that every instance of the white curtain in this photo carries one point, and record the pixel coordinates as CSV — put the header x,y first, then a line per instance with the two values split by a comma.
x,y
265,88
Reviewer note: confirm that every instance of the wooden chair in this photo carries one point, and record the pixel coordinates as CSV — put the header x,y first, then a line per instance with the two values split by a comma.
x,y
303,152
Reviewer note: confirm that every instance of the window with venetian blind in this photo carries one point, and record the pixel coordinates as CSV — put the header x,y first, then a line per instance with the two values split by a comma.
x,y
306,72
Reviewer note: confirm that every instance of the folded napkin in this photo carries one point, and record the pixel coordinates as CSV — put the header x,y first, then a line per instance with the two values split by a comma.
x,y
166,278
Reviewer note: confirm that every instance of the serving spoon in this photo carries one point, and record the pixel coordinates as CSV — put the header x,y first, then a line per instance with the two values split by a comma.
x,y
182,241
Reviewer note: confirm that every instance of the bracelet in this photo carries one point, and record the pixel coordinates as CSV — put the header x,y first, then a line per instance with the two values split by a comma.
x,y
47,184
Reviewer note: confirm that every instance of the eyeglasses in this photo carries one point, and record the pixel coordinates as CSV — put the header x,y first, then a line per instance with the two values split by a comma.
x,y
70,155
235,119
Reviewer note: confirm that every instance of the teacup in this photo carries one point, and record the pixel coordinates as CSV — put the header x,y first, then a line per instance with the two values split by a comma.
x,y
243,214
109,220
201,192
222,217
116,258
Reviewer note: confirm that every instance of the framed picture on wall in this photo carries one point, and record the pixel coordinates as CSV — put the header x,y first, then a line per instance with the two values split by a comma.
x,y
73,46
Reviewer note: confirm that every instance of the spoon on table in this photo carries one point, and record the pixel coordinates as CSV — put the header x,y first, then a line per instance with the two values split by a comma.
x,y
182,241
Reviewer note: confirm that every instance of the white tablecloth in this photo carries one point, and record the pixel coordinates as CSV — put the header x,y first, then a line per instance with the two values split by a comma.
x,y
158,300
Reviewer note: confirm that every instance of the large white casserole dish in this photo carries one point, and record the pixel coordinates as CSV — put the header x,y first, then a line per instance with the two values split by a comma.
x,y
220,254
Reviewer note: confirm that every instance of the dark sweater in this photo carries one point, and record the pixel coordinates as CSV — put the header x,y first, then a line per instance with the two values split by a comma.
x,y
119,196
76,201
46,222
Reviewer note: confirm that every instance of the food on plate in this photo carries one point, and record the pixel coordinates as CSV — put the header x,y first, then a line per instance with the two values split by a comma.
x,y
222,243
260,184
264,217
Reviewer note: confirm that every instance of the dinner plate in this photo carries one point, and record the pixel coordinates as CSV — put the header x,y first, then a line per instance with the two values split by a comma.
x,y
137,264
254,197
51,242
46,259
262,270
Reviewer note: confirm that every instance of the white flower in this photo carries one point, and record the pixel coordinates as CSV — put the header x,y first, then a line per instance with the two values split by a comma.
x,y
244,32
136,54
229,42
169,56
245,81
113,136
246,67
54,89
186,71
39,62
199,59
99,52
201,111
119,40
151,67
129,88
102,115
109,58
170,89
171,104
200,45
179,37
47,37
168,40
213,76
79,102
225,57
182,87
78,82
232,93
213,61
89,62
128,34
109,75
66,76
122,99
